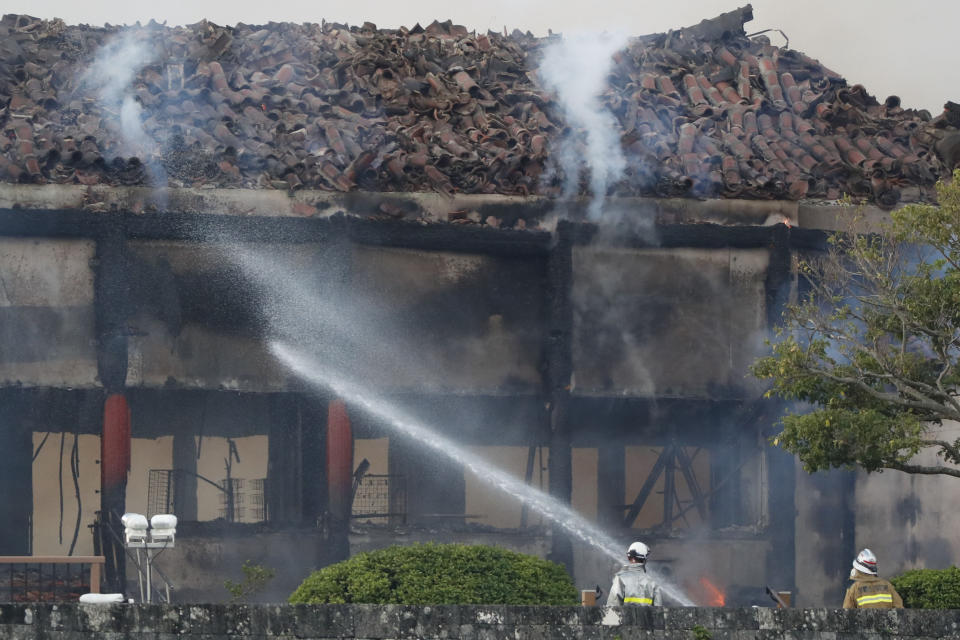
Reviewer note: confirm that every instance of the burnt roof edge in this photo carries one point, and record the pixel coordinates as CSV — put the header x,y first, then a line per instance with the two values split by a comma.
x,y
495,211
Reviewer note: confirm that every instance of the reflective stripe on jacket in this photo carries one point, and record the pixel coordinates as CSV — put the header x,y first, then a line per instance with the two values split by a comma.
x,y
871,592
632,586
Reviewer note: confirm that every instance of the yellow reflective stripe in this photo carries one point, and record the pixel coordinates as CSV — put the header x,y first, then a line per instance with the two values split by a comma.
x,y
639,600
879,597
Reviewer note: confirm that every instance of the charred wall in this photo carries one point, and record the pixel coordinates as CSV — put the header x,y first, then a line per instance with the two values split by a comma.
x,y
667,322
47,312
452,325
204,312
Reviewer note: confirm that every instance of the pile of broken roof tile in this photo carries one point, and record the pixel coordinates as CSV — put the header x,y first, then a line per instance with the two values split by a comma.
x,y
703,112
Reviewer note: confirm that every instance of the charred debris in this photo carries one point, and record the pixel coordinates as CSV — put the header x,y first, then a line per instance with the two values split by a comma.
x,y
704,111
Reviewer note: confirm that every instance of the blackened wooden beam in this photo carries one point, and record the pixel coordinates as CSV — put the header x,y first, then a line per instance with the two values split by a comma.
x,y
284,490
16,476
611,483
781,560
209,228
393,233
311,417
110,300
782,528
777,282
557,379
704,235
184,487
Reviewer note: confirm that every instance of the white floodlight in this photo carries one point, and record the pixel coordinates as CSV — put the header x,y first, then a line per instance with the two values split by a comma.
x,y
134,527
149,538
163,528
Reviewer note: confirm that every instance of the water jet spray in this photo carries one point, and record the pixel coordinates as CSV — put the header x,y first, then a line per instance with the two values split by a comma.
x,y
547,506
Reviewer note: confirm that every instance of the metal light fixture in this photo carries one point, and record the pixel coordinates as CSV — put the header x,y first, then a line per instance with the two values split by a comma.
x,y
160,533
134,528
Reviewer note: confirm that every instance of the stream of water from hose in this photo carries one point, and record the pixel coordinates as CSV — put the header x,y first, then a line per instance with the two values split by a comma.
x,y
316,374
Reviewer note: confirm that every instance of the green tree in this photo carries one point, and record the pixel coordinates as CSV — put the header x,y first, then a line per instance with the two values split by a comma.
x,y
873,347
439,574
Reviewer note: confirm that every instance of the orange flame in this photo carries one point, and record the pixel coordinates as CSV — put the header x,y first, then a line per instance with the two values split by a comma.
x,y
786,221
716,597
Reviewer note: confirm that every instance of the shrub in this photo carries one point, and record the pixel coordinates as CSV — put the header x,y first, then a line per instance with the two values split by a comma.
x,y
255,579
430,574
929,588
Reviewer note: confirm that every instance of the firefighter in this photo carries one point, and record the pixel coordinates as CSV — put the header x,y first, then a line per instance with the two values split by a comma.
x,y
869,591
632,585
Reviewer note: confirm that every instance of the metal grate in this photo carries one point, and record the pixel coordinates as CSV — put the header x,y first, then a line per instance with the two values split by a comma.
x,y
238,499
43,582
258,500
160,491
381,496
249,496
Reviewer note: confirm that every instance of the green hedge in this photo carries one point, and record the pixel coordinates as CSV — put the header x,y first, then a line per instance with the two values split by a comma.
x,y
426,574
929,588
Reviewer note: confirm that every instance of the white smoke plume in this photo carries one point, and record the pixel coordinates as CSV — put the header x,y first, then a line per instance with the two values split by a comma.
x,y
111,77
576,69
117,64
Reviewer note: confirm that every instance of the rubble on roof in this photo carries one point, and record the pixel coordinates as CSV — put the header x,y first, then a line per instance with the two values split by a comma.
x,y
704,112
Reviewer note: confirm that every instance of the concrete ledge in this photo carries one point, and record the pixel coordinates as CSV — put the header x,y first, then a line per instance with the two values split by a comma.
x,y
485,210
219,622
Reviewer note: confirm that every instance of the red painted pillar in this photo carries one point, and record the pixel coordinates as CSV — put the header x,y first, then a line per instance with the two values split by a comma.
x,y
115,446
114,467
339,461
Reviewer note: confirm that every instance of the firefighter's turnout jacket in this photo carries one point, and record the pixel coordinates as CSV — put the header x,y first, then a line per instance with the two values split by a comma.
x,y
871,592
632,586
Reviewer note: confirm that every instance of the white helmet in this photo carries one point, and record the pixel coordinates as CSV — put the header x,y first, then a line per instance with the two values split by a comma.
x,y
639,551
866,562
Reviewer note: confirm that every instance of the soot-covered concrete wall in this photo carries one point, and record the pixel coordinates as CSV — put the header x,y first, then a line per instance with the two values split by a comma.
x,y
667,322
323,622
399,319
46,312
910,521
648,322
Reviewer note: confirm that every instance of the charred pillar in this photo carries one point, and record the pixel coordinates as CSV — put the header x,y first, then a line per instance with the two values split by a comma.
x,y
283,461
313,501
726,501
185,476
558,371
111,292
16,507
782,559
611,485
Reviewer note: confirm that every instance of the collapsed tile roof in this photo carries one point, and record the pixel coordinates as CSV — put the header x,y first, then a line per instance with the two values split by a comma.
x,y
703,112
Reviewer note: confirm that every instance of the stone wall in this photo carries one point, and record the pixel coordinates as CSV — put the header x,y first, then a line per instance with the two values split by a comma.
x,y
216,622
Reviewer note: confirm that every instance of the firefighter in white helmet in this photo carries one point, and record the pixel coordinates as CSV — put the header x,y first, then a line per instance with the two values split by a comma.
x,y
869,591
632,585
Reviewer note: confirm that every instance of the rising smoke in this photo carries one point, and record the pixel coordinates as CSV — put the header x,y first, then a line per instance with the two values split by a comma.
x,y
576,69
110,77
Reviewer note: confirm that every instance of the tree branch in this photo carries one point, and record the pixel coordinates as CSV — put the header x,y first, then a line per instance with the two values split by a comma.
x,y
893,398
923,470
949,448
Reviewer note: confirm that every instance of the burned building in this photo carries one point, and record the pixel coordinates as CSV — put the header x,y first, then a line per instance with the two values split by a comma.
x,y
305,285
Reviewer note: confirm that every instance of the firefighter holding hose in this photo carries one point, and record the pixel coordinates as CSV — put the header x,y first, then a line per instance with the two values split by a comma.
x,y
869,591
632,585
